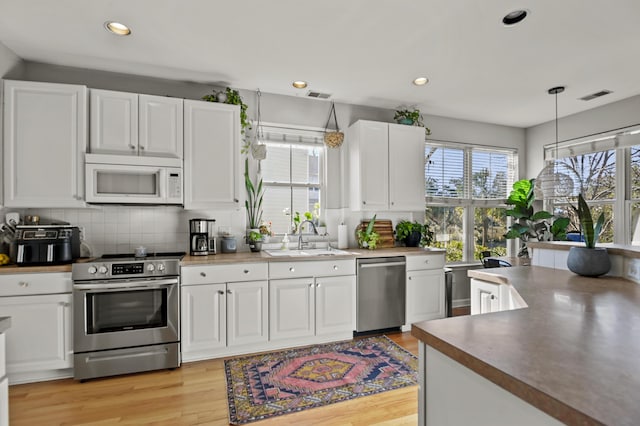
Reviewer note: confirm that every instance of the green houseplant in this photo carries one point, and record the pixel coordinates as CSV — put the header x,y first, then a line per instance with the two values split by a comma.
x,y
253,203
590,261
255,241
528,224
367,237
411,118
414,234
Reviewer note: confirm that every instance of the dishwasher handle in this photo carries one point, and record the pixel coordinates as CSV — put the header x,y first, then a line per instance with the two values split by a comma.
x,y
381,265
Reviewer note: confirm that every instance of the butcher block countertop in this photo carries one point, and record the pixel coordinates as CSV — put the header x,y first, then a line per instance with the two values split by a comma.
x,y
574,353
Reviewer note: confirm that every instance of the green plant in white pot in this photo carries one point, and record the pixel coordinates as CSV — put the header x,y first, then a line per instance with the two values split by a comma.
x,y
589,261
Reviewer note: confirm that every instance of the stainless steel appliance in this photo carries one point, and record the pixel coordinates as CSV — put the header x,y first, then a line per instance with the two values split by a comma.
x,y
380,293
202,241
125,179
45,243
126,315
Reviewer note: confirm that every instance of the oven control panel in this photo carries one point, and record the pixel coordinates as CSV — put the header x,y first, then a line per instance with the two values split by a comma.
x,y
127,269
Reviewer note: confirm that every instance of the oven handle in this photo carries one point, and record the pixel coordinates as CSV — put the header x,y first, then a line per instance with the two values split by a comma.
x,y
133,285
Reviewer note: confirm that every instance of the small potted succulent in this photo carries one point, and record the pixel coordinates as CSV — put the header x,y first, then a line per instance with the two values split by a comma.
x,y
411,118
589,261
255,241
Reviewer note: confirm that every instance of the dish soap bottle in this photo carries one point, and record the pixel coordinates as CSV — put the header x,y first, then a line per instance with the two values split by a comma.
x,y
285,242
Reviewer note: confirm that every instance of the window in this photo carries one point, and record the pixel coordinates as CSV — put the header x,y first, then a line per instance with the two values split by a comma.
x,y
465,188
292,175
606,170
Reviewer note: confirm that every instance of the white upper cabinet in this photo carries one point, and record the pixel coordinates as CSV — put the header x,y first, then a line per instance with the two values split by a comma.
x,y
160,126
406,167
114,122
386,166
131,124
45,139
211,155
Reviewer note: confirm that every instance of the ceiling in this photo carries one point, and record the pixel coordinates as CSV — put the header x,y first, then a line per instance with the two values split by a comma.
x,y
364,52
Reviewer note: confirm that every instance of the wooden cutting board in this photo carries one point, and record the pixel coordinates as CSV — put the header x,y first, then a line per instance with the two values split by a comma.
x,y
384,228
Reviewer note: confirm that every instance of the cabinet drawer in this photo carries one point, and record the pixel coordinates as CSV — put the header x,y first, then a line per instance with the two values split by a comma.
x,y
29,284
324,268
429,261
224,273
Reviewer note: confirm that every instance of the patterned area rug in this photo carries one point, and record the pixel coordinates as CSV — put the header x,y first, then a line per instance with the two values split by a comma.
x,y
272,384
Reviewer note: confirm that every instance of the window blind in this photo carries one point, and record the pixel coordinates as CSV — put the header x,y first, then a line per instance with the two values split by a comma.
x,y
492,174
444,172
602,142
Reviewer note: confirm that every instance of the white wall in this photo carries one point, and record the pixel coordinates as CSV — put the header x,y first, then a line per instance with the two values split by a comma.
x,y
605,118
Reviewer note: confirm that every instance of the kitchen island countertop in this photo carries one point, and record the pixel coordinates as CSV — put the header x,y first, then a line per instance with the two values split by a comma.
x,y
573,353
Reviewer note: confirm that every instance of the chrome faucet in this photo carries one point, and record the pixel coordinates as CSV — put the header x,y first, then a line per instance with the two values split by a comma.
x,y
315,231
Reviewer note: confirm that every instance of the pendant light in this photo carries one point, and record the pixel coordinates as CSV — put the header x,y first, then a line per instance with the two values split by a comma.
x,y
554,180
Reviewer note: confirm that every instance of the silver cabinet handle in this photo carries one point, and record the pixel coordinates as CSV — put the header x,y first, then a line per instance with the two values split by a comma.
x,y
335,267
409,278
141,147
228,291
392,203
493,297
364,202
292,269
311,285
220,292
132,147
246,271
23,284
202,274
318,285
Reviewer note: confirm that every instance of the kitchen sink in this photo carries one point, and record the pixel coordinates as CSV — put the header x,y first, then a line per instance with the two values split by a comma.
x,y
307,252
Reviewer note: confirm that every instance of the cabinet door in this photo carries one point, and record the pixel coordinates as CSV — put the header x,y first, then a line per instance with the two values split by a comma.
x,y
211,155
114,122
291,308
370,174
247,312
161,126
425,295
203,316
4,402
40,334
406,167
485,297
335,304
45,129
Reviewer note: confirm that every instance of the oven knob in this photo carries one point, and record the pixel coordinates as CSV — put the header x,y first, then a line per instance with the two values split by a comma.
x,y
102,269
160,267
150,267
93,270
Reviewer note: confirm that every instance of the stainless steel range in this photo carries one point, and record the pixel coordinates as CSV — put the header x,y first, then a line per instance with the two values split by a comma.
x,y
126,315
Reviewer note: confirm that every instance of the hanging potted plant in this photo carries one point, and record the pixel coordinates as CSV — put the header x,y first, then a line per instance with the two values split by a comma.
x,y
411,118
589,261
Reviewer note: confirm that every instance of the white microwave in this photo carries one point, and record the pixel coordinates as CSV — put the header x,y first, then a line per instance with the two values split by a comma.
x,y
132,180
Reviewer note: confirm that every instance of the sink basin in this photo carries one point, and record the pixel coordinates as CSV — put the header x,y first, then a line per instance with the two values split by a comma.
x,y
306,252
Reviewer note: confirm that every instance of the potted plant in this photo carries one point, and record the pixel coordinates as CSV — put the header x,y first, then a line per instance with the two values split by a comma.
x,y
530,225
411,118
255,241
413,234
232,97
590,261
368,238
253,203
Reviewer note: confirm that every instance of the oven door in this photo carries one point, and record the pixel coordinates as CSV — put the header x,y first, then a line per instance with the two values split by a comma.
x,y
109,315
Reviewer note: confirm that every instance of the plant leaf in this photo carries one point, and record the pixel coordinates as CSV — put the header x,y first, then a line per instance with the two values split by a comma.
x,y
370,225
586,221
596,232
542,214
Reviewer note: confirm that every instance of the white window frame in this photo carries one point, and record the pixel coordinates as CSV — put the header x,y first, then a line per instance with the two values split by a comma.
x,y
302,136
467,201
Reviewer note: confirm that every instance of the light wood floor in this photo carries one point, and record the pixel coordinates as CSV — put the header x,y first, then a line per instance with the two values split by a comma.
x,y
194,394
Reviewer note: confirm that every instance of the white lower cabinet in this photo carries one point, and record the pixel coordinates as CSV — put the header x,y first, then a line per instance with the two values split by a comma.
x,y
39,342
312,307
425,295
219,317
487,297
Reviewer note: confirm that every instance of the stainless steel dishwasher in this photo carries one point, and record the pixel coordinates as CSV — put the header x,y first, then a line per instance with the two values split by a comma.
x,y
380,293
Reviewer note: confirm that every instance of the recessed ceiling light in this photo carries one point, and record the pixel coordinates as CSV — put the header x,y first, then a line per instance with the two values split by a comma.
x,y
420,81
514,17
117,28
299,84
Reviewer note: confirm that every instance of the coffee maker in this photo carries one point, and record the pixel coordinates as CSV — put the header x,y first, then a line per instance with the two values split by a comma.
x,y
201,237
